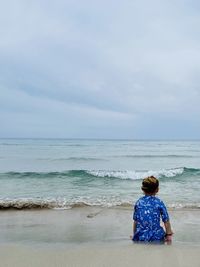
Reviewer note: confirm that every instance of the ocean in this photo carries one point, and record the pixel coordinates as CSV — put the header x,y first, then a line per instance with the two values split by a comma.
x,y
65,173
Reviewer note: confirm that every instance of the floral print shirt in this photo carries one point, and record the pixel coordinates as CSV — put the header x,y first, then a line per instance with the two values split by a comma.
x,y
148,211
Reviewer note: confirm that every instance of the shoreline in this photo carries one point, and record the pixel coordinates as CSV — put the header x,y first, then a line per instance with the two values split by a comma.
x,y
42,204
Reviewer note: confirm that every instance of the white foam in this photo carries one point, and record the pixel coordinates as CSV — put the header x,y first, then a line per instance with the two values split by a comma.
x,y
117,174
184,205
136,175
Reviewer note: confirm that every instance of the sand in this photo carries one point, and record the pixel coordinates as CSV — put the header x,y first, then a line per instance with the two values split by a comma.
x,y
92,237
136,255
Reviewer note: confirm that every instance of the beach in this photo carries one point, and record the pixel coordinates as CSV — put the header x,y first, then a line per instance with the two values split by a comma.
x,y
100,124
69,202
92,237
100,257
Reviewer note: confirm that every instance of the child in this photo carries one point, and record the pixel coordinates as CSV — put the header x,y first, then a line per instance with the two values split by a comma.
x,y
147,213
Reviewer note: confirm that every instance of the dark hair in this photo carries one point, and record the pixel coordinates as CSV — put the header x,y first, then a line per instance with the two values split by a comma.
x,y
150,184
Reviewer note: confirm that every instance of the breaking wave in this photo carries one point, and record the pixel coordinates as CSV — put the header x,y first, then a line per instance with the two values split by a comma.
x,y
62,204
112,174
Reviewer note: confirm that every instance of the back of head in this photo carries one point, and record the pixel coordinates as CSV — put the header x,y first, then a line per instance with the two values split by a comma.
x,y
150,185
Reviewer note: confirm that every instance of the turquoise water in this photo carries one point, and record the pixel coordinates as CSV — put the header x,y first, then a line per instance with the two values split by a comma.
x,y
66,173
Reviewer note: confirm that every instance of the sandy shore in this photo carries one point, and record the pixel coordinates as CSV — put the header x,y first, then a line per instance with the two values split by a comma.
x,y
135,255
92,237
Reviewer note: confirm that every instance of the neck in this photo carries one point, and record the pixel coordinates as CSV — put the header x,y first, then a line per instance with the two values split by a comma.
x,y
153,195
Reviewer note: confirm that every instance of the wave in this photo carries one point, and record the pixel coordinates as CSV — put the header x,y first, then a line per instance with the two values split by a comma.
x,y
158,156
173,173
72,159
10,144
44,145
79,159
138,175
62,204
21,204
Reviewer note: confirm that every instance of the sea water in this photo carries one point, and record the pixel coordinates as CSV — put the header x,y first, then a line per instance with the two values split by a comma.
x,y
64,173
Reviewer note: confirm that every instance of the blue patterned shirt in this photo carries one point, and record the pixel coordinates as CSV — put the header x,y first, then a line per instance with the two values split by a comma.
x,y
148,211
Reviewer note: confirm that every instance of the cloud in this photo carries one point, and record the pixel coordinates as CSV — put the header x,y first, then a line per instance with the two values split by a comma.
x,y
99,65
32,116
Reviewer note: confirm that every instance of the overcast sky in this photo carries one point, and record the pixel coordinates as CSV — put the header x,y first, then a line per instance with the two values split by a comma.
x,y
100,69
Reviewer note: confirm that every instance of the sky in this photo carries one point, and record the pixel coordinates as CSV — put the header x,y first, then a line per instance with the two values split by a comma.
x,y
100,69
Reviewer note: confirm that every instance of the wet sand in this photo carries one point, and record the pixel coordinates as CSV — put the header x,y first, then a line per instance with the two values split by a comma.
x,y
92,237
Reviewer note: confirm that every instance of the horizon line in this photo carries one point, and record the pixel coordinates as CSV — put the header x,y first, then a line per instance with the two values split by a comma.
x,y
100,139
